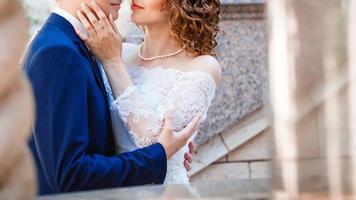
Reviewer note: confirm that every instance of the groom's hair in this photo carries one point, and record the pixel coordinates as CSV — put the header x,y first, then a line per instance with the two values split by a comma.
x,y
195,24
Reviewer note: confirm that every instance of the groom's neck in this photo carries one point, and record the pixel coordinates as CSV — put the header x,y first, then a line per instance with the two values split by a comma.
x,y
71,6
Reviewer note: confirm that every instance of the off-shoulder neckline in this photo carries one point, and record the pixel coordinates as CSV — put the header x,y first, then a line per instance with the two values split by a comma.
x,y
161,68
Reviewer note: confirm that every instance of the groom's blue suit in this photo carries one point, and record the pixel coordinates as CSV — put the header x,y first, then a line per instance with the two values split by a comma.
x,y
72,141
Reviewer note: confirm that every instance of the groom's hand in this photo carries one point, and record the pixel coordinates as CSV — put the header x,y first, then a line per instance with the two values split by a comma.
x,y
172,141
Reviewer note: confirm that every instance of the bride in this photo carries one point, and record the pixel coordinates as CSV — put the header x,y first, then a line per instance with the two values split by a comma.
x,y
173,71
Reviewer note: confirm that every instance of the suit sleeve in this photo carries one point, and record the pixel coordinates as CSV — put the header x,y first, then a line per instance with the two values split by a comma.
x,y
61,132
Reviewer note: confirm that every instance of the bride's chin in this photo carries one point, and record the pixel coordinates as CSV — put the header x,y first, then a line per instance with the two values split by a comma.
x,y
135,20
139,19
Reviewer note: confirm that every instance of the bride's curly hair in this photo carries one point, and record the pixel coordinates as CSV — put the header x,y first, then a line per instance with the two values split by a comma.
x,y
195,24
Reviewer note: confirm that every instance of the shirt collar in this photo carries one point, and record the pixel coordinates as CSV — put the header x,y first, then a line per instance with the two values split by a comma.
x,y
71,19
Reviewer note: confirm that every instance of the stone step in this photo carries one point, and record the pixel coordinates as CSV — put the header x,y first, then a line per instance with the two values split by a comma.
x,y
229,140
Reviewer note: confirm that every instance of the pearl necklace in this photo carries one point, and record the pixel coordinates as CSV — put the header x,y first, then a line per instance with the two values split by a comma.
x,y
158,57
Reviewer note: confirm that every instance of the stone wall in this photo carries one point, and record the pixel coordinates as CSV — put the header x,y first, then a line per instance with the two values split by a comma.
x,y
242,50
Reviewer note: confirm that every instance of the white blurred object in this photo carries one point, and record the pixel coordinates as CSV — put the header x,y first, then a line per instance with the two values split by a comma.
x,y
51,3
129,31
124,22
37,11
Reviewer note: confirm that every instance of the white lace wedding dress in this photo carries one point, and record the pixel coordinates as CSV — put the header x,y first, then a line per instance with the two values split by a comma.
x,y
157,90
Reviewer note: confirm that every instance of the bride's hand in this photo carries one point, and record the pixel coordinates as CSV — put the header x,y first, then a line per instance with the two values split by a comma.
x,y
103,38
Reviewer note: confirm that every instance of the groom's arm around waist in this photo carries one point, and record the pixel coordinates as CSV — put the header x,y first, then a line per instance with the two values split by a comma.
x,y
61,131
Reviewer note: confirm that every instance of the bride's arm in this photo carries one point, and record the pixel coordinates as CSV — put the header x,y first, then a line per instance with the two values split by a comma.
x,y
142,121
190,95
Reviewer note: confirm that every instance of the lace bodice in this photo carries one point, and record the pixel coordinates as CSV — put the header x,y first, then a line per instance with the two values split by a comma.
x,y
142,107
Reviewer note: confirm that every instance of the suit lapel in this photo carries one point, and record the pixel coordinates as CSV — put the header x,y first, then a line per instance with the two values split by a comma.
x,y
68,29
95,68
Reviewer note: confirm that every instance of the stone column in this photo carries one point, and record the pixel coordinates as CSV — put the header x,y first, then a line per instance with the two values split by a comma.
x,y
17,180
352,88
309,76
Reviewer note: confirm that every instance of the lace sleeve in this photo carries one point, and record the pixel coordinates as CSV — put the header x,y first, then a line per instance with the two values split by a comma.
x,y
193,92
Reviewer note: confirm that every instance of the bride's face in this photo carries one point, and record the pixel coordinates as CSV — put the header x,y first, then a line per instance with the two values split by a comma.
x,y
146,12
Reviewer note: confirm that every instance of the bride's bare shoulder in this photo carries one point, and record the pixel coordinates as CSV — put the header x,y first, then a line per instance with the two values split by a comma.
x,y
208,64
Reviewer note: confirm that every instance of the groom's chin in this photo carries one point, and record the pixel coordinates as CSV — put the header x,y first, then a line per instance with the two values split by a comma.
x,y
115,16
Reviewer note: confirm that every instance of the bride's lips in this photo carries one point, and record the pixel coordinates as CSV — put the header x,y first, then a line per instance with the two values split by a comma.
x,y
136,6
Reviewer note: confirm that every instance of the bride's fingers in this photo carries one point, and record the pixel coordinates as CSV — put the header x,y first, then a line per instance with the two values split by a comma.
x,y
190,129
113,25
168,122
99,12
92,19
86,23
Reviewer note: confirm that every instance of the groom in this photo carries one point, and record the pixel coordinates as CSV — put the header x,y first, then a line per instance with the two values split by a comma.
x,y
72,141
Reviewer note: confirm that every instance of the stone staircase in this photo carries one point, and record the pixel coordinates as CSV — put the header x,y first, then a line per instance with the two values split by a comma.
x,y
241,147
234,142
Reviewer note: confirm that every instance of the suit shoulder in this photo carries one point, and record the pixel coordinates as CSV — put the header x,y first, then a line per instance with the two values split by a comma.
x,y
58,50
56,59
49,37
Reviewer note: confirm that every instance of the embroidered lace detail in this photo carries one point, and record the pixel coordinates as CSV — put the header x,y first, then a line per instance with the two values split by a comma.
x,y
124,104
156,91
